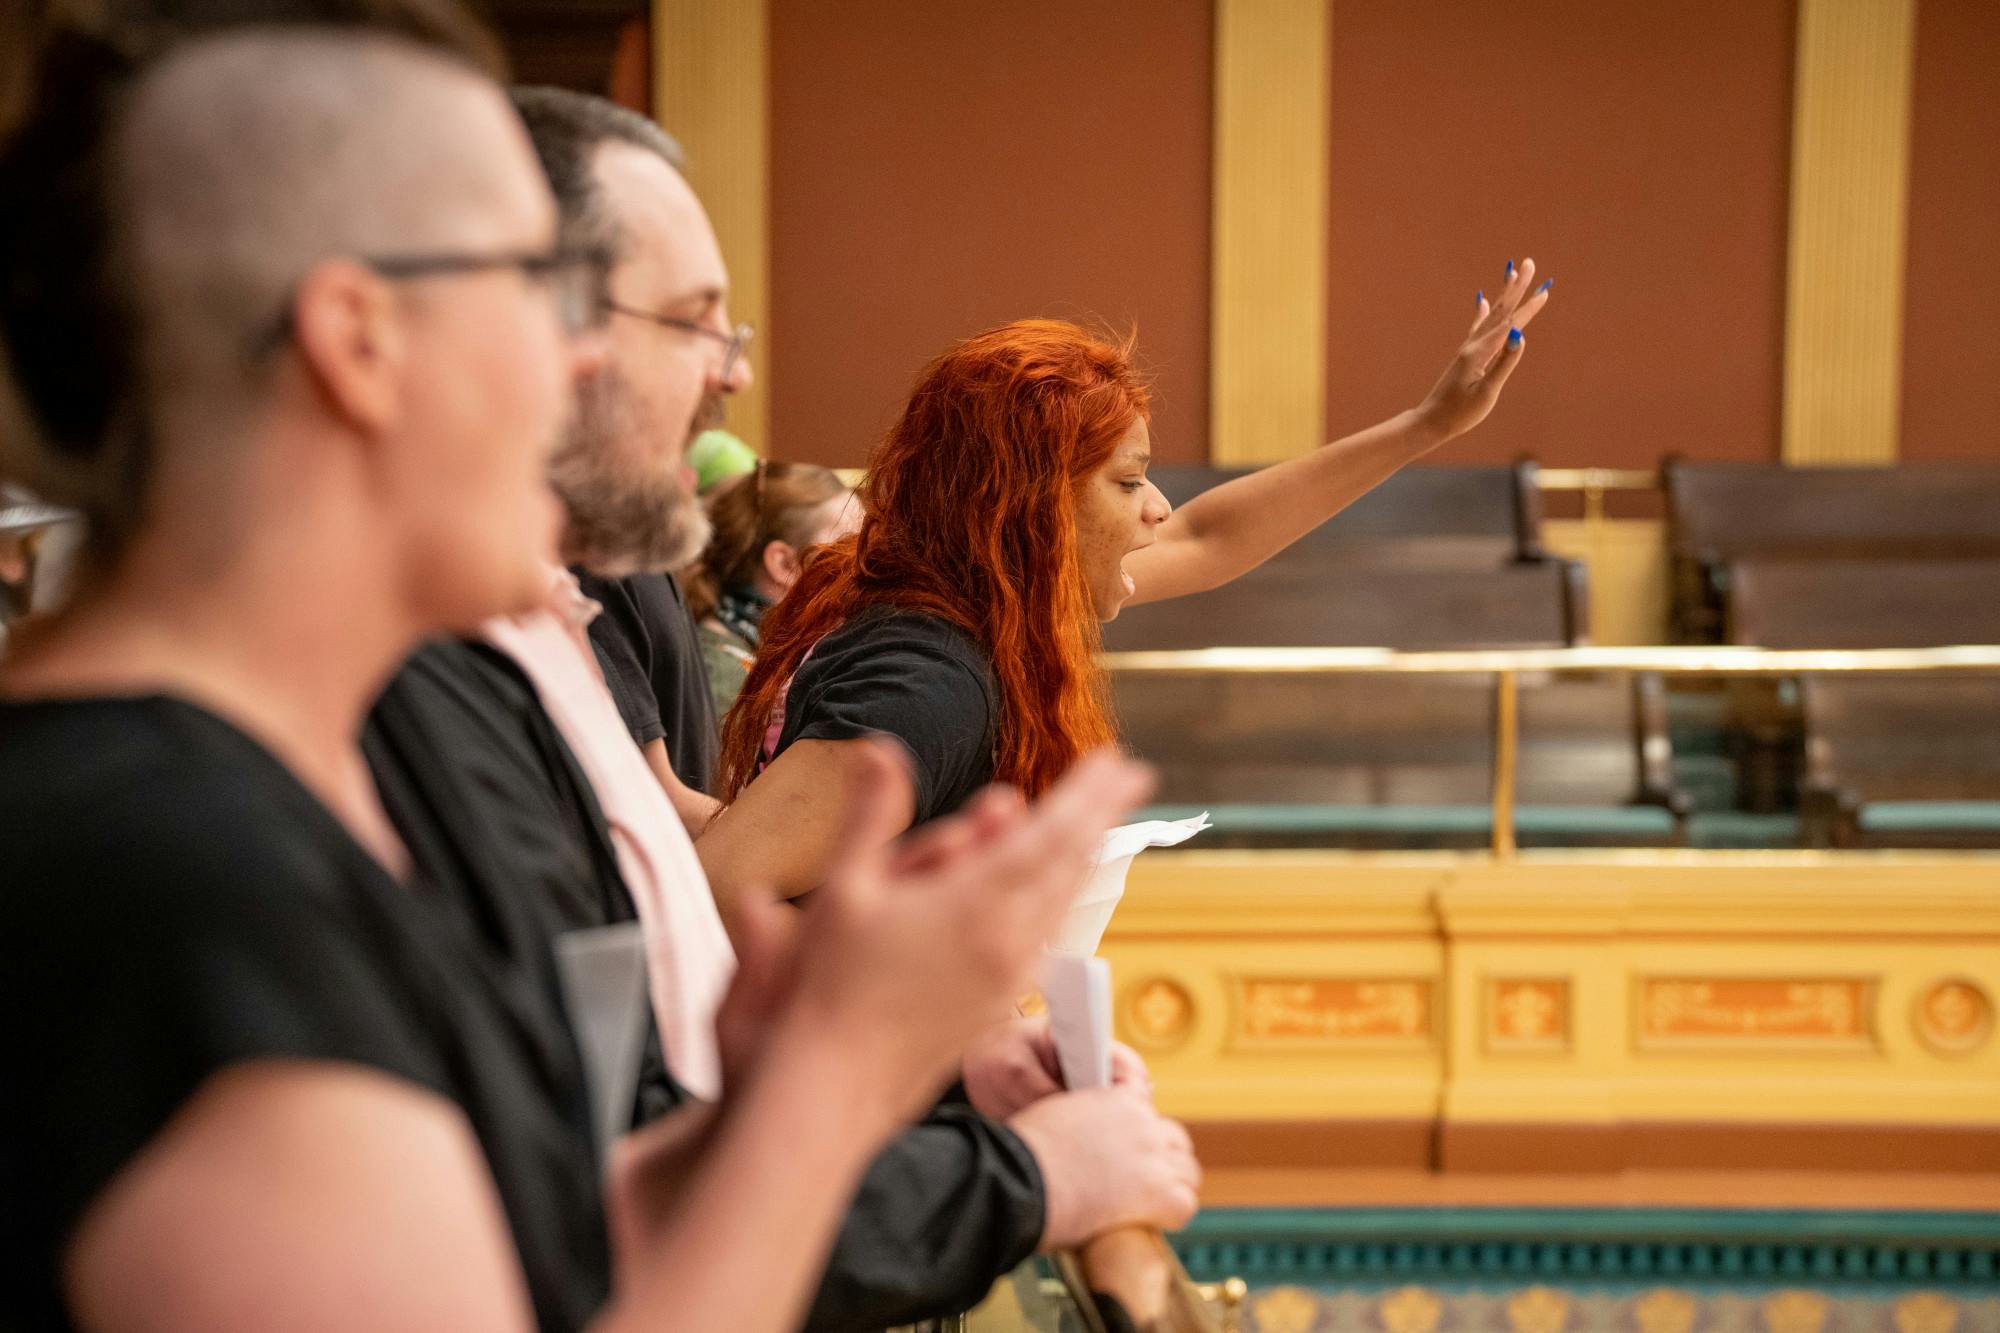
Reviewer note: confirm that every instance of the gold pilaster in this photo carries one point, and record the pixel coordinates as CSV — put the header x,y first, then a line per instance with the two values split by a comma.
x,y
711,90
1849,207
1267,333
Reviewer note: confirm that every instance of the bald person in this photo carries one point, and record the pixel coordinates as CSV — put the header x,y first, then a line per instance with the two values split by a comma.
x,y
288,316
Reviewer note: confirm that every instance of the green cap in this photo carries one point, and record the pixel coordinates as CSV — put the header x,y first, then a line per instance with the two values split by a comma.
x,y
716,455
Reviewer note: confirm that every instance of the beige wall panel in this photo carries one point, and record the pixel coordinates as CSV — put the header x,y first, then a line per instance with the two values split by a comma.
x,y
1268,350
1627,559
711,91
1849,217
1695,988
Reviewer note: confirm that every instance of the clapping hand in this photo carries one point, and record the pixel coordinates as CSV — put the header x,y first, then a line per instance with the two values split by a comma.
x,y
909,950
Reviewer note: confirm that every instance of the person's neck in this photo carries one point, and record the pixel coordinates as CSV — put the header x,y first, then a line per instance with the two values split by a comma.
x,y
281,639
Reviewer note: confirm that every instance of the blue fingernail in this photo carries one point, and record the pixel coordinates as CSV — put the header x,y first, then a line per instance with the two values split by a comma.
x,y
1510,268
1513,337
1550,283
1481,298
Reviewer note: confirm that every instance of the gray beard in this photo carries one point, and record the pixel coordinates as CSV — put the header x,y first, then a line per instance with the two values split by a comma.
x,y
618,523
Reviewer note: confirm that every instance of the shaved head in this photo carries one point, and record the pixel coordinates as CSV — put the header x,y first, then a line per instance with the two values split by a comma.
x,y
220,176
250,158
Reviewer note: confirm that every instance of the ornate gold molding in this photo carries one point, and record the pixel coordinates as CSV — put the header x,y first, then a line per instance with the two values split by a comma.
x,y
1849,208
1267,314
711,77
1573,988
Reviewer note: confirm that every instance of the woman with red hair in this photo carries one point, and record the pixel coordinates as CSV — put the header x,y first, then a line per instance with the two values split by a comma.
x,y
1005,516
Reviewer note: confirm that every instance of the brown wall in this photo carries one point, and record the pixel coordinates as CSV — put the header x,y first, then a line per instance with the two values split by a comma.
x,y
1951,350
942,166
1637,152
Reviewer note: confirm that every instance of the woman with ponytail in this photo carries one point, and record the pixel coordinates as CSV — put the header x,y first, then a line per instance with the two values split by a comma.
x,y
1005,516
765,522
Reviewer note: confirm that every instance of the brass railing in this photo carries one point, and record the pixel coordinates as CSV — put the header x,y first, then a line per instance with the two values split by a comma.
x,y
1507,665
1593,482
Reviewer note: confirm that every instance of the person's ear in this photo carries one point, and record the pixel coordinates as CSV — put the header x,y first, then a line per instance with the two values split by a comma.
x,y
781,563
350,340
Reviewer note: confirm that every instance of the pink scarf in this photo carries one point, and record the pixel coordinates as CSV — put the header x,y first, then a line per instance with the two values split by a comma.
x,y
688,956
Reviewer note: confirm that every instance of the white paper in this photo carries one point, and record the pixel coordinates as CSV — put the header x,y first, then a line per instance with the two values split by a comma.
x,y
1078,994
603,973
1083,928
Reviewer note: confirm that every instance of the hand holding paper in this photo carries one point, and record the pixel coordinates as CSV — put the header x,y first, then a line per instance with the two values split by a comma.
x,y
1076,984
1083,928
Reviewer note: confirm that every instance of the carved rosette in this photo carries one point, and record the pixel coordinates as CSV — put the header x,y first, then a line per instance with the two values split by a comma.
x,y
1157,1015
1285,1310
1953,1016
1664,1310
1538,1310
1527,1014
1411,1310
1795,1311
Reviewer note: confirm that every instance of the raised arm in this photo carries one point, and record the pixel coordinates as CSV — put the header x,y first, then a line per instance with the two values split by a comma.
x,y
1230,530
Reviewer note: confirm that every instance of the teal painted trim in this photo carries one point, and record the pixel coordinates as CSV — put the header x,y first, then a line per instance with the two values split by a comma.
x,y
1754,1247
1553,820
1731,828
1904,816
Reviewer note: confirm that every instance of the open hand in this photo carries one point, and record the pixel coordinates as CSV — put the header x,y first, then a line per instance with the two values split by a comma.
x,y
1471,383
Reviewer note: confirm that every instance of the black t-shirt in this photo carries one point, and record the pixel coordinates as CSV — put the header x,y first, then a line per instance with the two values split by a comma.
x,y
490,800
496,812
650,651
176,904
908,675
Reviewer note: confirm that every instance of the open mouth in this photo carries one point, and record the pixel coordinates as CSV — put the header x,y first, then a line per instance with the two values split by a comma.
x,y
1124,575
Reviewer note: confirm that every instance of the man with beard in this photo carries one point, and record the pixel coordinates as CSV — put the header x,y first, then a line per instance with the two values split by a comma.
x,y
508,768
622,477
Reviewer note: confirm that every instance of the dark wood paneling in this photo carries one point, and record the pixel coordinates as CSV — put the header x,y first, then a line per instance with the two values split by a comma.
x,y
565,43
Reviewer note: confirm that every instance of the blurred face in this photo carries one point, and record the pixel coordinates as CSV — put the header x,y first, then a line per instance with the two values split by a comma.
x,y
837,518
489,382
1117,512
622,475
829,522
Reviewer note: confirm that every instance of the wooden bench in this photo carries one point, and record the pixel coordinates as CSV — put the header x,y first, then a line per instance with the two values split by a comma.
x,y
1844,602
1719,514
1902,760
1329,602
1378,761
1436,558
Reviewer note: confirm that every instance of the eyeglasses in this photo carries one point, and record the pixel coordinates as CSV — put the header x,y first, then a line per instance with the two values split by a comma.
x,y
733,343
578,277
